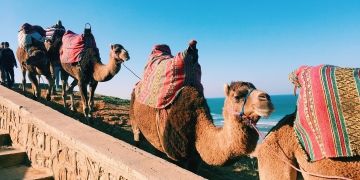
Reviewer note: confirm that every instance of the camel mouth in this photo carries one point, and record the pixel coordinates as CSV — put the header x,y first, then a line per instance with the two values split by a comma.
x,y
124,58
264,111
251,120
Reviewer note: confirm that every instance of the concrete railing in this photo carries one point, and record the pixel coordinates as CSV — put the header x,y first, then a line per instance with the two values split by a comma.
x,y
73,150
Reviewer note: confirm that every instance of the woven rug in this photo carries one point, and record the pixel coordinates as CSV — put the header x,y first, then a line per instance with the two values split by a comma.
x,y
327,123
165,75
72,47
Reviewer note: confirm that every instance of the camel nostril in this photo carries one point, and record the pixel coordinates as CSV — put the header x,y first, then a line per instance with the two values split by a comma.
x,y
264,97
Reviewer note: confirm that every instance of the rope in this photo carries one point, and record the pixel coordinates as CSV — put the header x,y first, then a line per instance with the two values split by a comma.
x,y
131,71
297,169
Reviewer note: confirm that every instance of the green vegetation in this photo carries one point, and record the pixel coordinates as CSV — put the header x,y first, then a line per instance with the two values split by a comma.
x,y
115,100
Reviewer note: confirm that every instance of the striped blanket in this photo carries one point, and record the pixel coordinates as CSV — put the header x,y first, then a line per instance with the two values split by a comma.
x,y
165,75
327,123
72,47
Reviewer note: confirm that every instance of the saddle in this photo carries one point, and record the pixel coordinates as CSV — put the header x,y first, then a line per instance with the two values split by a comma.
x,y
53,32
327,122
75,44
31,35
165,76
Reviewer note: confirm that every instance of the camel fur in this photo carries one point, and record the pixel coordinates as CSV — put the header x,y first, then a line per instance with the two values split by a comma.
x,y
189,134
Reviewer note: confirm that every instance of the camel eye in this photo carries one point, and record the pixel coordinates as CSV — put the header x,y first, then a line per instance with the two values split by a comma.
x,y
237,97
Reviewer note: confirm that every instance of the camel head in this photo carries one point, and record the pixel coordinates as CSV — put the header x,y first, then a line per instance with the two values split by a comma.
x,y
119,53
245,103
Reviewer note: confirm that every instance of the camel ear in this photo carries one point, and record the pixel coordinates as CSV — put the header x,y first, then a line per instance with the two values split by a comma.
x,y
226,89
112,46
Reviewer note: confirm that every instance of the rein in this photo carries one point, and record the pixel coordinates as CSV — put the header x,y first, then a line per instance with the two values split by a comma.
x,y
294,167
131,71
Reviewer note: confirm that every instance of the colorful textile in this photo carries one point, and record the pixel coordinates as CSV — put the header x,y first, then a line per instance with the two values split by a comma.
x,y
73,46
165,76
25,40
327,123
52,31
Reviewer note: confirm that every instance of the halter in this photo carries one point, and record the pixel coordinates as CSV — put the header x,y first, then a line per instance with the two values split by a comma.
x,y
242,113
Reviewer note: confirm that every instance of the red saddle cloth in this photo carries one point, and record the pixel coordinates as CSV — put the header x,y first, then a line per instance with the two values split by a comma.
x,y
72,47
165,76
327,123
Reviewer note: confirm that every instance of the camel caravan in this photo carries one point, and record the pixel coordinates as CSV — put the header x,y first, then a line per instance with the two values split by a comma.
x,y
320,140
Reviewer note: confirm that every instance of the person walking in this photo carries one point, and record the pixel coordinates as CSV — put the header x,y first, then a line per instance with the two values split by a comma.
x,y
8,62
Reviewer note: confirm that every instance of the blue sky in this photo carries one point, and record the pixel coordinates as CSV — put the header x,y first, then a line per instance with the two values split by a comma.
x,y
256,41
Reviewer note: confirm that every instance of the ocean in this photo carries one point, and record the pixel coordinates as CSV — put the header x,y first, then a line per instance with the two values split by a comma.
x,y
284,104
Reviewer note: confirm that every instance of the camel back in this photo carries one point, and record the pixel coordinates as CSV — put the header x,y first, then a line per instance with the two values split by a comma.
x,y
74,45
327,123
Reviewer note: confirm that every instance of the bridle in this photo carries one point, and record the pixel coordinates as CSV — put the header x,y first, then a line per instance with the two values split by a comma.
x,y
242,112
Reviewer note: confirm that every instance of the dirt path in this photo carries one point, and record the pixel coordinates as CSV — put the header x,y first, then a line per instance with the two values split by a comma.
x,y
111,116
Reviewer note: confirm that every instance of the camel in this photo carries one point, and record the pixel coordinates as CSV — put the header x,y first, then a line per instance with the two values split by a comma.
x,y
53,47
190,136
281,148
89,71
41,67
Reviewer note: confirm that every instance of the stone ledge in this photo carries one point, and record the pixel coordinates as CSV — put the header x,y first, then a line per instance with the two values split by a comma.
x,y
73,150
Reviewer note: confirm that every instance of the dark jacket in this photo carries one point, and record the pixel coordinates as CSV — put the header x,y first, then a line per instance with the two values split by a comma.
x,y
7,58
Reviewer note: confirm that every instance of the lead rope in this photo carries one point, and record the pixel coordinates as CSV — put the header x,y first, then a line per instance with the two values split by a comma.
x,y
131,71
297,169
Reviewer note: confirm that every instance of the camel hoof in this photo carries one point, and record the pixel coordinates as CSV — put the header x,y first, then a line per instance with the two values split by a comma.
x,y
88,119
137,143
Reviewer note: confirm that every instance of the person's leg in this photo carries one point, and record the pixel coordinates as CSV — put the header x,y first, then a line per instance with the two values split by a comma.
x,y
11,77
2,75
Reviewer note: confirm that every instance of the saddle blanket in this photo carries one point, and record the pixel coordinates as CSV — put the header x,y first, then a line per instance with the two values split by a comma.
x,y
25,40
51,31
164,77
327,122
73,46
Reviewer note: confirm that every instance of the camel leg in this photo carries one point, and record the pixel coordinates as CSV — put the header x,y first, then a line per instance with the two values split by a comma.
x,y
137,134
64,79
52,72
70,91
134,126
51,82
84,99
92,87
72,85
35,85
23,70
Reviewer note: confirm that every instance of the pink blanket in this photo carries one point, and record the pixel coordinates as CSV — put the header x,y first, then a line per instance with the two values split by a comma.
x,y
72,47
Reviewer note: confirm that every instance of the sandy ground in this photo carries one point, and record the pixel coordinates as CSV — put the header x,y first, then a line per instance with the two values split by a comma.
x,y
111,116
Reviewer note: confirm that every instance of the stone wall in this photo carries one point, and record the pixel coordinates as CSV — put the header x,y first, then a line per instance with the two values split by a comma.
x,y
73,150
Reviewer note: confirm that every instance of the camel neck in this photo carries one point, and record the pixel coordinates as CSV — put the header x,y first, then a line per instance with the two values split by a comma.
x,y
106,72
226,142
